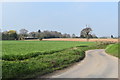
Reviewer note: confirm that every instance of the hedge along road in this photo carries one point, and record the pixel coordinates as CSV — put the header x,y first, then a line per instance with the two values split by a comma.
x,y
97,64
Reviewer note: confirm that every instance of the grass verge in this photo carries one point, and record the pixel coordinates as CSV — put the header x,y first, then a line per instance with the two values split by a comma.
x,y
112,49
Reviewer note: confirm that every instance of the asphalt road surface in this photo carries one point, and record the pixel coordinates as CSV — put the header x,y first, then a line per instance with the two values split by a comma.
x,y
97,64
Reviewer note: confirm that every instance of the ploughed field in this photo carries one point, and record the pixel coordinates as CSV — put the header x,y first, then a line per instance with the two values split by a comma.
x,y
82,39
28,59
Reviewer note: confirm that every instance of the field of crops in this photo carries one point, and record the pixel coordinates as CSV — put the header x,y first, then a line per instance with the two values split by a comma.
x,y
13,50
28,59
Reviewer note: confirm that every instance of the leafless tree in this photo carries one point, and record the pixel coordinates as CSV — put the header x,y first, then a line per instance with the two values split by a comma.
x,y
24,32
85,33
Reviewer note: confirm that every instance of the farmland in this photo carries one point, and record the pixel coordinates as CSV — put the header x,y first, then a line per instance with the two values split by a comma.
x,y
82,39
13,50
28,59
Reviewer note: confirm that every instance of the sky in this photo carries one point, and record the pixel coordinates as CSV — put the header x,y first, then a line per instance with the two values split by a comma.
x,y
65,17
59,0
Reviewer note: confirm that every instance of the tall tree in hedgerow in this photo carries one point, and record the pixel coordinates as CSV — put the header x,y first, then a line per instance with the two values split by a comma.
x,y
85,33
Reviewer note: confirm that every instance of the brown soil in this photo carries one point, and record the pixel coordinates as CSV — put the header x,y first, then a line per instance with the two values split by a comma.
x,y
80,39
77,39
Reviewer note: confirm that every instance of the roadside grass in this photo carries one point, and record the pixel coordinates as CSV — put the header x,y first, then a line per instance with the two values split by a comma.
x,y
112,49
39,65
46,63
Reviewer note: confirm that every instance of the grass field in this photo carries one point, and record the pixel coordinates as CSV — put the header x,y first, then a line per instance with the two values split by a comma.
x,y
19,50
28,59
113,49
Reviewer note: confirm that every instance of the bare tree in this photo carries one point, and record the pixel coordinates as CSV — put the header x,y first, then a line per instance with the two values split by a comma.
x,y
66,35
85,33
33,34
24,32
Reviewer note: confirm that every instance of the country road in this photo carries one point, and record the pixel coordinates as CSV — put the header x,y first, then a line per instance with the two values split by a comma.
x,y
97,64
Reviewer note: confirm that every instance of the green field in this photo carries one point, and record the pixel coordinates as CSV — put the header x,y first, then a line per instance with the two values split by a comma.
x,y
28,59
19,50
113,49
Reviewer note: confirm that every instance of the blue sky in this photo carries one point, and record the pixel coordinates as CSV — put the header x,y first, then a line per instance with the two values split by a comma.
x,y
66,17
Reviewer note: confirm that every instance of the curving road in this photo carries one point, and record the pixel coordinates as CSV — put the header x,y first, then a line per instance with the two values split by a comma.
x,y
97,64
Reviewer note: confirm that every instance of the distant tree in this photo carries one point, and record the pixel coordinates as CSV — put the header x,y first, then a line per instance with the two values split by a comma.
x,y
50,34
73,36
39,31
23,32
5,35
20,37
104,37
9,35
12,35
85,33
112,36
39,34
33,34
66,35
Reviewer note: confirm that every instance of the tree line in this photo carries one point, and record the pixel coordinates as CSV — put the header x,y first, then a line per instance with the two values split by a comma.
x,y
25,34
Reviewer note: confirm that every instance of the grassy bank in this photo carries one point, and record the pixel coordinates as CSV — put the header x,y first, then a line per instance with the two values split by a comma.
x,y
45,63
112,49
